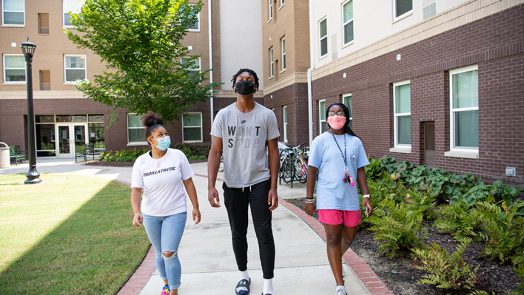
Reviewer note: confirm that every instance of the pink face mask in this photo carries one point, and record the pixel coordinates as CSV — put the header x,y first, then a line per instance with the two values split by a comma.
x,y
336,122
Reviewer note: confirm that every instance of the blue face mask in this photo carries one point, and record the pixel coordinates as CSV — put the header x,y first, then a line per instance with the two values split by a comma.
x,y
163,143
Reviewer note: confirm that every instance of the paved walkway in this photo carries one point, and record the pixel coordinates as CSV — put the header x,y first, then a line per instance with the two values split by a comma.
x,y
208,263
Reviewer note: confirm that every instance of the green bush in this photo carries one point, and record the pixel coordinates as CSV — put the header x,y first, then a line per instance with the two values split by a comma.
x,y
193,151
445,270
463,224
397,226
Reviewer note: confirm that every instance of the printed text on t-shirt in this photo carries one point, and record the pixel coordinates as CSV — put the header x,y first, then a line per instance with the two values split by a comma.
x,y
159,171
244,135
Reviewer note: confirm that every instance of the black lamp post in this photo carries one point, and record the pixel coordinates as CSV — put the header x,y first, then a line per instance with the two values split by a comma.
x,y
28,49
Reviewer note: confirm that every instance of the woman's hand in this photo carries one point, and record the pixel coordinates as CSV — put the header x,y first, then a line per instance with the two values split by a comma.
x,y
196,215
309,208
366,203
137,219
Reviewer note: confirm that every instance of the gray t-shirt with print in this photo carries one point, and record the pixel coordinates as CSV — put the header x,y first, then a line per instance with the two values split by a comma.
x,y
244,137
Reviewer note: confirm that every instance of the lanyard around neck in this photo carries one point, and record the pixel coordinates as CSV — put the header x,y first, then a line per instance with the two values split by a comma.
x,y
342,154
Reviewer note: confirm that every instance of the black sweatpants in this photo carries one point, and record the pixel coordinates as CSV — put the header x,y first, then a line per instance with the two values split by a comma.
x,y
237,201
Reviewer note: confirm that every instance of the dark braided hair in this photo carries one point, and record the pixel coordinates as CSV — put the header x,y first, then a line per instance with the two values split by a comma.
x,y
346,114
250,71
152,122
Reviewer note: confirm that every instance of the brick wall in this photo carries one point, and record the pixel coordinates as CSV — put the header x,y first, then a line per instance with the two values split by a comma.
x,y
495,44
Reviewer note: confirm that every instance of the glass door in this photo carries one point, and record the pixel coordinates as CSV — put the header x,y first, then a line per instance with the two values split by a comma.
x,y
70,138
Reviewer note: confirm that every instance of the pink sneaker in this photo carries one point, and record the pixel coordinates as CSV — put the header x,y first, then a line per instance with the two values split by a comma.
x,y
165,290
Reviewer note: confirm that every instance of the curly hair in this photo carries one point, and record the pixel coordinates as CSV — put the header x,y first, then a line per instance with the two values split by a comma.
x,y
250,71
152,122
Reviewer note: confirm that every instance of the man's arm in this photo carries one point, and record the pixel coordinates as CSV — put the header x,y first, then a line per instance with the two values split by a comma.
x,y
213,161
273,156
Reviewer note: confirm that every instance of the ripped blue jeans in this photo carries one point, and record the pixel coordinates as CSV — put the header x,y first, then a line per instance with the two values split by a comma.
x,y
165,233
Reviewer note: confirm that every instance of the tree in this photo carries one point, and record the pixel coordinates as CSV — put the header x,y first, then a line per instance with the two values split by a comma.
x,y
147,68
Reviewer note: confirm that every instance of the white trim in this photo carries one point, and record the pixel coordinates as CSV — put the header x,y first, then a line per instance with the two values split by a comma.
x,y
319,120
284,122
463,152
269,10
398,146
402,16
134,143
321,38
198,23
283,54
281,3
401,149
11,25
350,107
201,127
271,56
85,68
344,44
4,71
67,12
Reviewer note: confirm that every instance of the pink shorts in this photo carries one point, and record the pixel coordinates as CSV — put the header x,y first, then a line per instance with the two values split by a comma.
x,y
336,217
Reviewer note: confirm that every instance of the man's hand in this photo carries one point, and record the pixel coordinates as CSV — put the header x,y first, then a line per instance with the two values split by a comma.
x,y
272,199
213,197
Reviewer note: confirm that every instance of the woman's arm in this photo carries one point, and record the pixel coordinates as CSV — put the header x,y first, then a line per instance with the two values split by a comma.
x,y
191,191
309,207
136,198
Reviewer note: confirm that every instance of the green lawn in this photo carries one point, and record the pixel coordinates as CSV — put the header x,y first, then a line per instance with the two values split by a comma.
x,y
70,234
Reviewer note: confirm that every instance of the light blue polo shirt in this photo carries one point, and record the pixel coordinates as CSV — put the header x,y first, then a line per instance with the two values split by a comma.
x,y
324,154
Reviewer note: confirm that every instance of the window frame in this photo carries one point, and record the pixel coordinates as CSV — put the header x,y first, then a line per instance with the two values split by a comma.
x,y
269,10
5,69
283,54
402,16
271,56
65,69
321,38
3,16
464,152
201,127
64,13
344,44
284,122
127,131
281,3
320,121
198,23
350,106
400,147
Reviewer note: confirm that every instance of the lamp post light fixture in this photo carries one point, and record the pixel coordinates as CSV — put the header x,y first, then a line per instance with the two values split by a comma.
x,y
28,49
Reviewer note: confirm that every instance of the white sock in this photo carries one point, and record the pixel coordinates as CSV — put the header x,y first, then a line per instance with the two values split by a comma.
x,y
244,275
268,286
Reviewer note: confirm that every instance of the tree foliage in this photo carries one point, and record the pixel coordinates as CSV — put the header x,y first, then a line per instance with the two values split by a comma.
x,y
140,41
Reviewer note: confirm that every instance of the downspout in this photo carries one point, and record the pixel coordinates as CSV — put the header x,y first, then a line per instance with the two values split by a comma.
x,y
210,36
310,73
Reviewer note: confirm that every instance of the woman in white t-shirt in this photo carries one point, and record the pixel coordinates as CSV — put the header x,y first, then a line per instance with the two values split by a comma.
x,y
159,200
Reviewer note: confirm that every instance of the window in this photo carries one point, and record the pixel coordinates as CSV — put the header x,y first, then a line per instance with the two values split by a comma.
x,y
71,6
402,111
194,65
347,100
430,8
269,10
464,133
13,12
402,8
192,127
281,3
284,121
322,123
271,63
347,21
283,64
195,27
74,68
135,130
43,23
323,37
14,68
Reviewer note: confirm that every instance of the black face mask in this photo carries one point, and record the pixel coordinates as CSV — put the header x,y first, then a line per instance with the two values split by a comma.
x,y
245,87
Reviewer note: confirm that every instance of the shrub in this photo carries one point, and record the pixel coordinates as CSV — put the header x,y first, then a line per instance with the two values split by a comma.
x,y
463,224
445,270
397,226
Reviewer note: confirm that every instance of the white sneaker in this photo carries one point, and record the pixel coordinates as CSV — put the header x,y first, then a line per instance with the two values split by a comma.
x,y
341,290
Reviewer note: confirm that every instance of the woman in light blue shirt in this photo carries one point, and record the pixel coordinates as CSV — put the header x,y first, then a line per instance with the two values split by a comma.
x,y
336,161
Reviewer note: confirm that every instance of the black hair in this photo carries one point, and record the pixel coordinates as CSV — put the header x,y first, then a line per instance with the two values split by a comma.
x,y
152,122
250,71
347,129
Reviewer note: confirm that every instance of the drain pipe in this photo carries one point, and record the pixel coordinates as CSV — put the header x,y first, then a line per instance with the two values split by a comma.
x,y
310,72
210,36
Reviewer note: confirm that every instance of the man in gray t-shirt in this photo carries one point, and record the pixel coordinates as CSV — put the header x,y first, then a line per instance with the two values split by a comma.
x,y
246,133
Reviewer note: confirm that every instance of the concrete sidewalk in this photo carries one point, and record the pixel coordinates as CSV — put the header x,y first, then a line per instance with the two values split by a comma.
x,y
208,263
